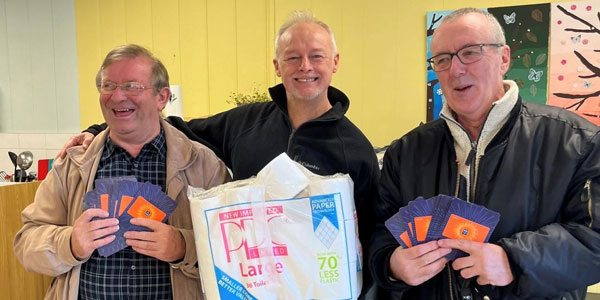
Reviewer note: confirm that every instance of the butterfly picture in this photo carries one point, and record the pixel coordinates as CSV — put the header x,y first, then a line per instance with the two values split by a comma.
x,y
510,19
587,84
535,75
576,39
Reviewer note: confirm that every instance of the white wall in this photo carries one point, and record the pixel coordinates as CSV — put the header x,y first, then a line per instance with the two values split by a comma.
x,y
39,105
38,67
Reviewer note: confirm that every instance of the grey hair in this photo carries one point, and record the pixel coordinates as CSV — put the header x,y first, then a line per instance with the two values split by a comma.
x,y
300,16
99,79
160,76
496,31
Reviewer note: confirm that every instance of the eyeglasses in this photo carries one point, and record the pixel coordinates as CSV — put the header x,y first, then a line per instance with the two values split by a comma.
x,y
131,88
467,55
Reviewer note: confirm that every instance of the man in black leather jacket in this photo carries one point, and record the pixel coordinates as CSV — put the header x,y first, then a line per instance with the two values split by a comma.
x,y
538,166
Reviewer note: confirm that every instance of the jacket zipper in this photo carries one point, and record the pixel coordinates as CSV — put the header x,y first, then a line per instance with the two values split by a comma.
x,y
450,282
472,156
290,142
456,190
469,157
477,158
472,163
457,186
588,187
293,133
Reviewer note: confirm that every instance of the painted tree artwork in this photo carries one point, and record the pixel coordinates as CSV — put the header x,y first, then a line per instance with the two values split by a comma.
x,y
434,91
555,55
575,58
526,32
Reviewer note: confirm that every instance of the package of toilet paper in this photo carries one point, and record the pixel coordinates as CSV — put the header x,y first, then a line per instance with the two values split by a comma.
x,y
284,234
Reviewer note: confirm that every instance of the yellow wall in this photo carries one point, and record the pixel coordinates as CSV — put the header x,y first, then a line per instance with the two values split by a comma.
x,y
215,47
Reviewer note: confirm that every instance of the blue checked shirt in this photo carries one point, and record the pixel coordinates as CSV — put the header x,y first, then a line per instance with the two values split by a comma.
x,y
128,274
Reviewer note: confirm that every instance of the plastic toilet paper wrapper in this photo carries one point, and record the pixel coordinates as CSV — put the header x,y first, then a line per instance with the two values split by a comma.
x,y
285,234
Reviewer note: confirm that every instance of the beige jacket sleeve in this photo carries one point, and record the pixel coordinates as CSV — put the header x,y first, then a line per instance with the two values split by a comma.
x,y
43,244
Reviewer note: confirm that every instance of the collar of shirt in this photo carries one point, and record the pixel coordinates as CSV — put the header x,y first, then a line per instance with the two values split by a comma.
x,y
158,144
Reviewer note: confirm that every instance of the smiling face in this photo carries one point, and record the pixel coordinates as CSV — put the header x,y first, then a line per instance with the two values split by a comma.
x,y
132,117
470,89
306,61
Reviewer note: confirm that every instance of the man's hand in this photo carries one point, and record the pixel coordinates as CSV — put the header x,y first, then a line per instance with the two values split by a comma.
x,y
487,261
90,235
84,139
418,264
164,242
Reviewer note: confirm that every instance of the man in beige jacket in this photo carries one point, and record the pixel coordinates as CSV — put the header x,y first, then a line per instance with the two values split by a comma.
x,y
59,239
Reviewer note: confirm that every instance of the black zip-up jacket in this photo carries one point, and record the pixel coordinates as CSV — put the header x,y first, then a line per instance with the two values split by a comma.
x,y
248,137
541,172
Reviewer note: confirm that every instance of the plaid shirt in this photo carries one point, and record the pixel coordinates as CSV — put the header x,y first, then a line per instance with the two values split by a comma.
x,y
128,274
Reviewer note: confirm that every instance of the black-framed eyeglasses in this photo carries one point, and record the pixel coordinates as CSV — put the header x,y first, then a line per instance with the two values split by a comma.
x,y
467,55
131,88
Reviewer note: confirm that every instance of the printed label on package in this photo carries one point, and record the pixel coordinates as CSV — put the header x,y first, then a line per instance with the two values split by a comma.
x,y
282,249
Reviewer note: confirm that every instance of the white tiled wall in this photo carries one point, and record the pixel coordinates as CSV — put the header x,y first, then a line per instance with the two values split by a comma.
x,y
39,86
44,145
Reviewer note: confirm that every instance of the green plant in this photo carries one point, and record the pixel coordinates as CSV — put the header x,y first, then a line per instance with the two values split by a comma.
x,y
242,99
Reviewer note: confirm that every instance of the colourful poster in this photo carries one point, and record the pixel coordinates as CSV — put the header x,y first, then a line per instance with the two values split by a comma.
x,y
575,58
526,32
434,91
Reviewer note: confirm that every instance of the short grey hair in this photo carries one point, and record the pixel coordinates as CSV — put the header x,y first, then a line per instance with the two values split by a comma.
x,y
99,78
496,31
159,76
300,16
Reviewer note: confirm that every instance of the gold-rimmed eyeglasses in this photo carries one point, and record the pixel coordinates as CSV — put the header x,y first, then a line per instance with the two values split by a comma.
x,y
131,88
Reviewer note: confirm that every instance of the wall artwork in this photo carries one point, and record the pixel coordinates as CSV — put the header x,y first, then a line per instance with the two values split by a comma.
x,y
434,91
526,32
561,68
575,58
